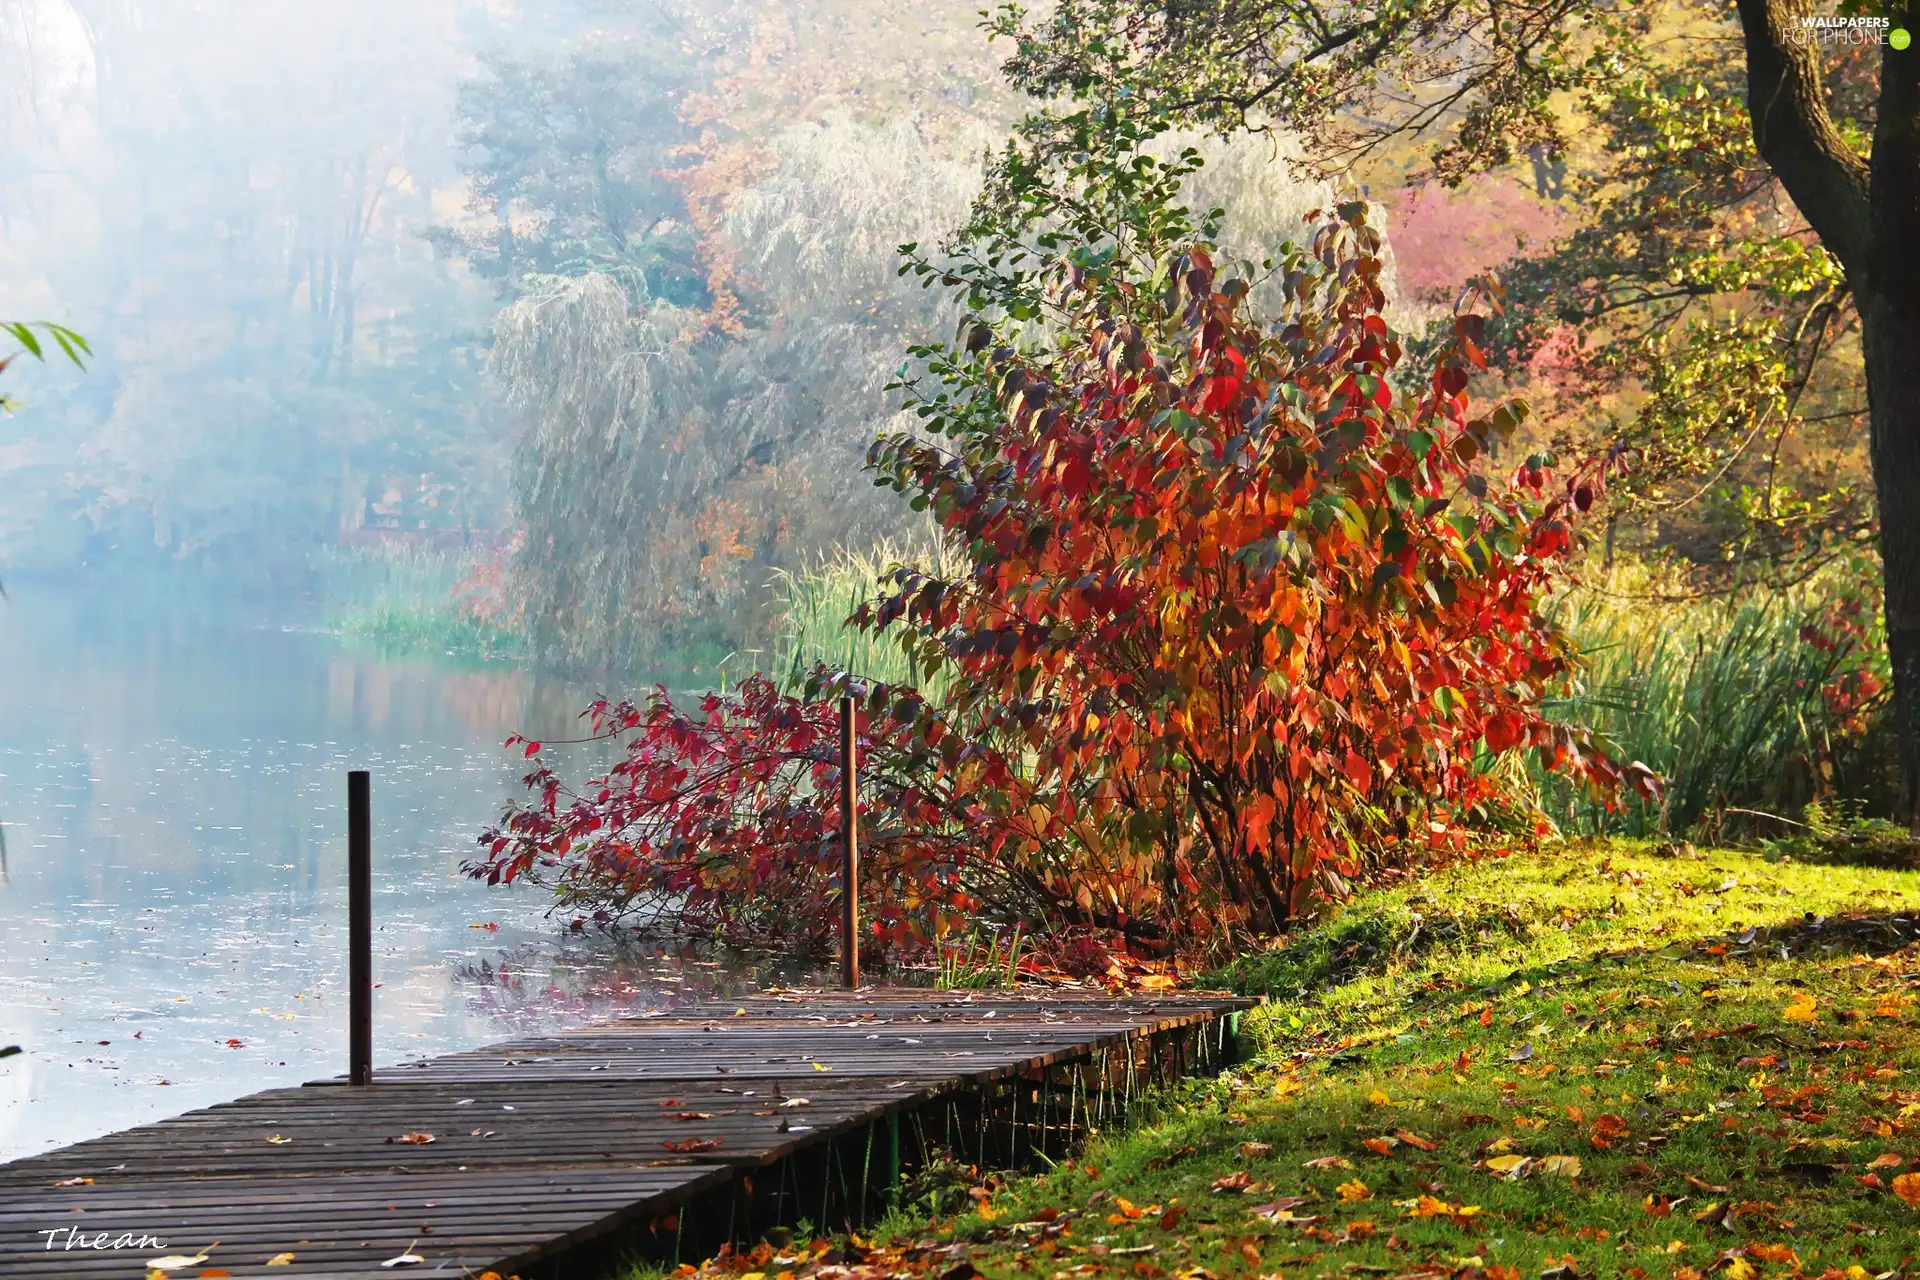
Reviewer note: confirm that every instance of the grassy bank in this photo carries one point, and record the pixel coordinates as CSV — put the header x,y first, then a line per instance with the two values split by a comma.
x,y
1595,1061
407,599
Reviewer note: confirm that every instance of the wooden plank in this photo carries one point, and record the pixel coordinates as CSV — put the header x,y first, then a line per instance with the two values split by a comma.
x,y
541,1142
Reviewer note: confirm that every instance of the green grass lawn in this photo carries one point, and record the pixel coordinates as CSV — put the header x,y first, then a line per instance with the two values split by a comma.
x,y
1592,1061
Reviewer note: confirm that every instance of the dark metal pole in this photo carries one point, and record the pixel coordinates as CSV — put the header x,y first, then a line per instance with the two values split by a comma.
x,y
850,849
359,927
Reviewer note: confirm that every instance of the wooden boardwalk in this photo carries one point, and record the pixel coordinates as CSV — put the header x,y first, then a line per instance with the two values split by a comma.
x,y
683,1130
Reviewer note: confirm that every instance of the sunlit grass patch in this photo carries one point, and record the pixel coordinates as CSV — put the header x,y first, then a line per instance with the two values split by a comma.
x,y
1593,1061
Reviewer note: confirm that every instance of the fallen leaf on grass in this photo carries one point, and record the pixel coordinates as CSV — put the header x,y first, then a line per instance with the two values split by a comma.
x,y
1560,1166
1239,1182
1889,1160
1607,1130
1434,1207
1701,1184
1279,1210
1354,1191
1171,1218
1380,1146
1514,1167
1802,1008
1907,1187
1413,1139
1255,1150
1328,1162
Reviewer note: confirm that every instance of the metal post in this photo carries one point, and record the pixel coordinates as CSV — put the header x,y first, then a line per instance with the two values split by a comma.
x,y
359,928
850,849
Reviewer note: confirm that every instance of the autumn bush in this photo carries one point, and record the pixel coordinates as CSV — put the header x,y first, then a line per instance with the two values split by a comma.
x,y
1237,607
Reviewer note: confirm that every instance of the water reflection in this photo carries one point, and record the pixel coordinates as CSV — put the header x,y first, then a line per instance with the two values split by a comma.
x,y
173,907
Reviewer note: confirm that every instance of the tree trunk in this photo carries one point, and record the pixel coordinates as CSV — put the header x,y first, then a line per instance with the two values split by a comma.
x,y
1867,213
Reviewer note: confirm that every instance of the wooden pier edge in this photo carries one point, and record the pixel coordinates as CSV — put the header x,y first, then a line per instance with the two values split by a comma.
x,y
663,1134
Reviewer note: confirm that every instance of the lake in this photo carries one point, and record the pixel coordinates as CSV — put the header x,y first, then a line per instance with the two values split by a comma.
x,y
173,905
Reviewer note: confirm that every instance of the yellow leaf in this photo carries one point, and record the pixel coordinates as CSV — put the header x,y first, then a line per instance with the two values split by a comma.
x,y
1379,1099
1740,1269
280,1260
1286,1086
1560,1166
821,1066
1799,1009
1509,1166
1354,1190
1907,1187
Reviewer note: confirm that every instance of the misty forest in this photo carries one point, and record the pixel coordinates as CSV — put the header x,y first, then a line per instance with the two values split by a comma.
x,y
1348,504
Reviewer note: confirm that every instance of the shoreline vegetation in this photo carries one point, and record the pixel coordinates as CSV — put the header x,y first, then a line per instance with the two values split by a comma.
x,y
1603,1058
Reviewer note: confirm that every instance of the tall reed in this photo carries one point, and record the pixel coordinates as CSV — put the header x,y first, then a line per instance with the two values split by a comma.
x,y
817,604
1749,706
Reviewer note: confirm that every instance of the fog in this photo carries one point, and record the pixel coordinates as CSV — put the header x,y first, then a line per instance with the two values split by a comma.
x,y
570,319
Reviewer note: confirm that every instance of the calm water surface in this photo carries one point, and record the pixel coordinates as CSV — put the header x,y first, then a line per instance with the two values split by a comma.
x,y
173,905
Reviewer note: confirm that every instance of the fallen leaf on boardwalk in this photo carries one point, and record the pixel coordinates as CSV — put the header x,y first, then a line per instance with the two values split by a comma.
x,y
797,1102
215,1273
1907,1187
280,1260
175,1261
1354,1191
690,1115
1255,1150
1560,1166
418,1138
1413,1139
74,1182
407,1259
1328,1162
279,1141
821,1066
692,1144
1156,982
1801,1008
